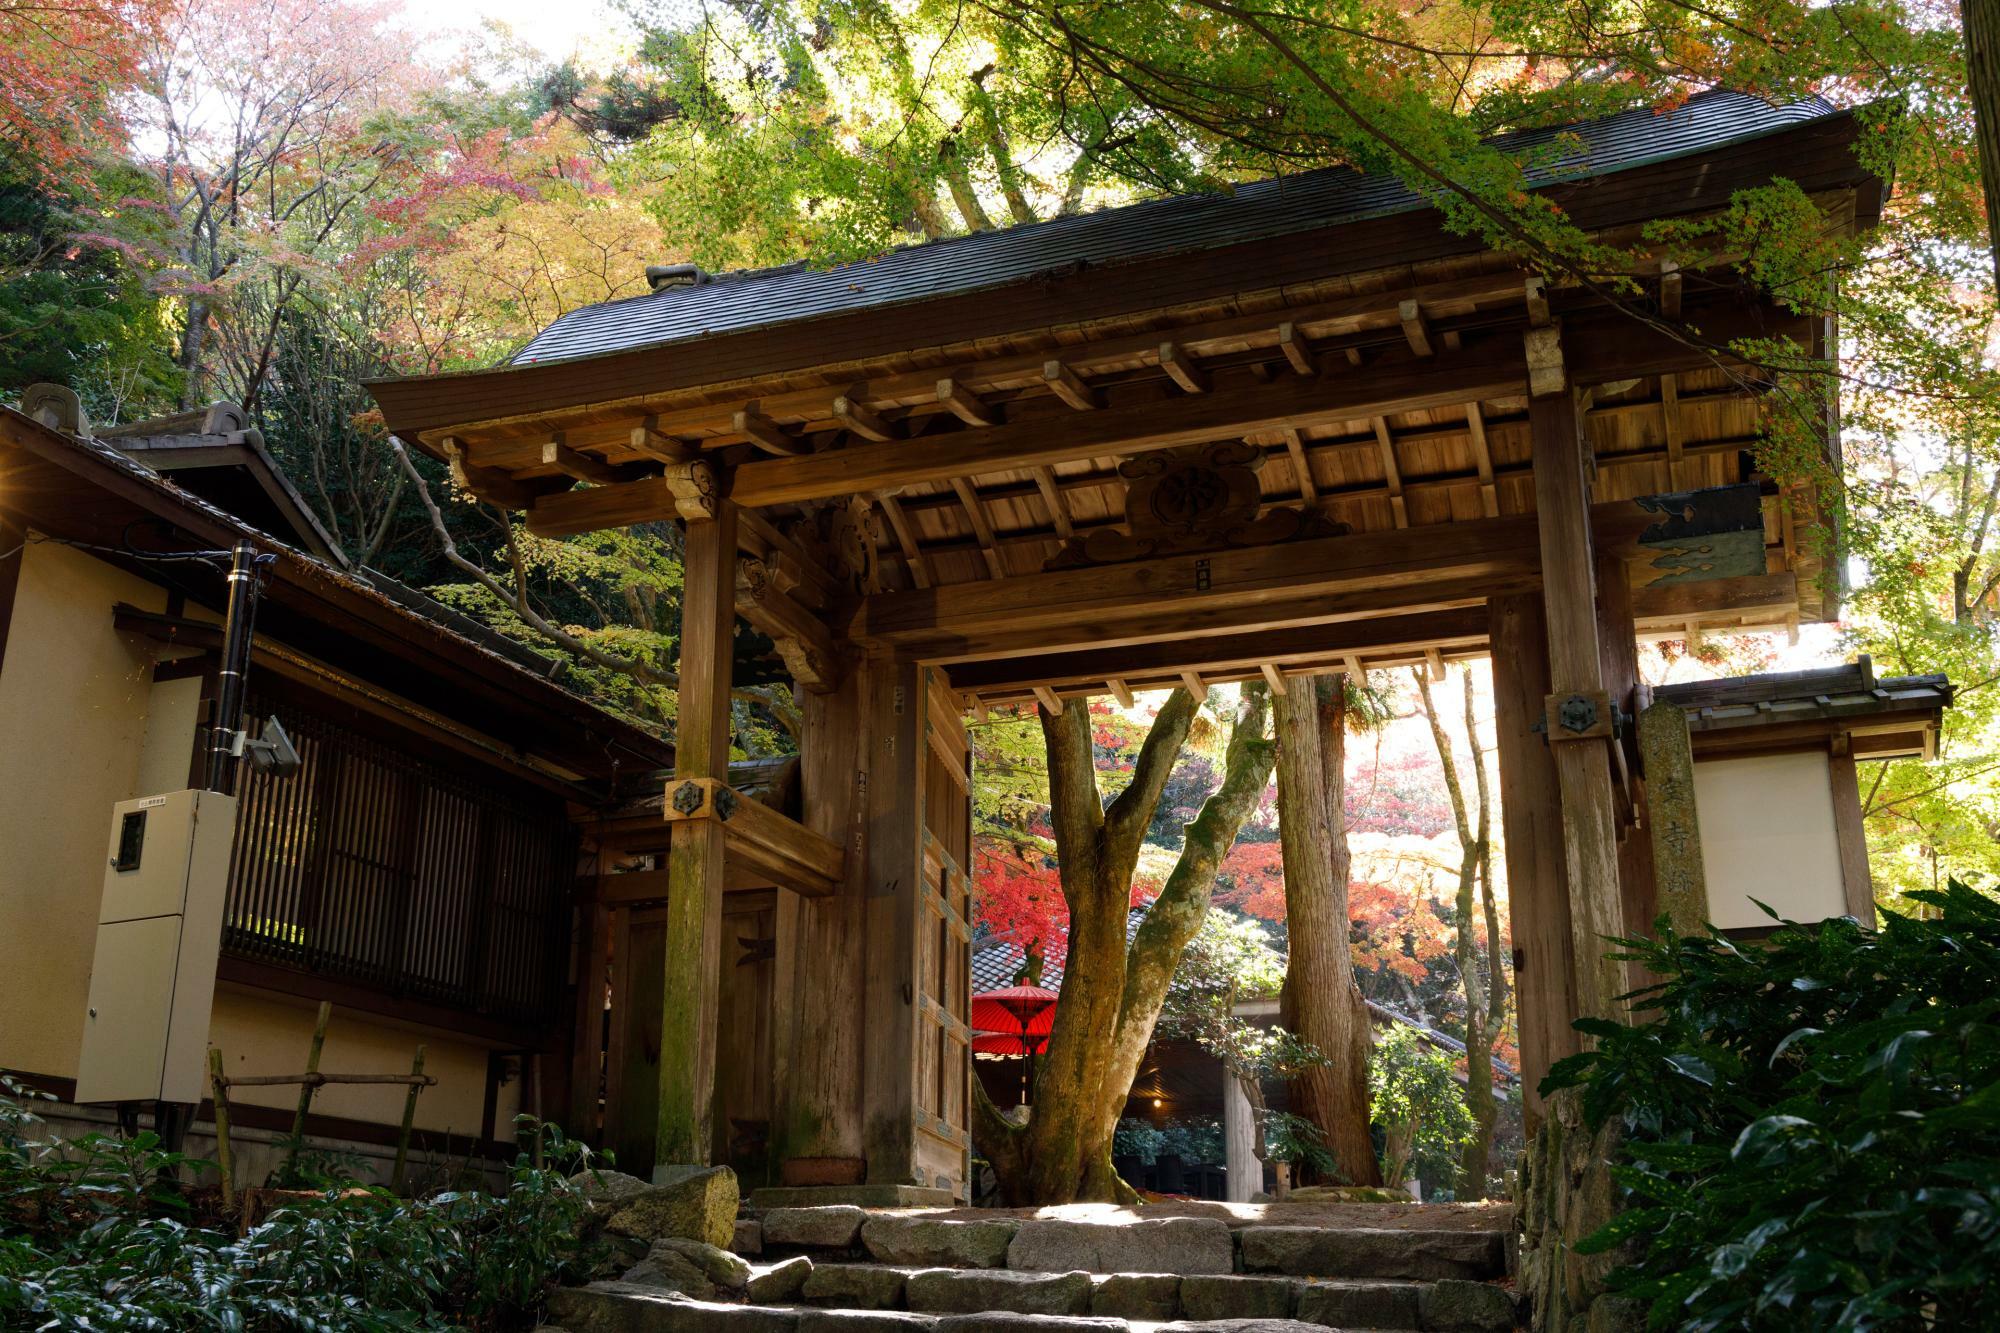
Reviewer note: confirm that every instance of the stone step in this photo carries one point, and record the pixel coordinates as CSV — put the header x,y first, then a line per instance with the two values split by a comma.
x,y
1184,1245
1449,1303
1366,1252
617,1307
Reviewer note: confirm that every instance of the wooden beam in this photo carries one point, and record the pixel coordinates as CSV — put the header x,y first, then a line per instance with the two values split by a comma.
x,y
1046,697
1293,344
583,467
1482,457
982,527
1670,407
1434,665
1318,581
793,856
1052,497
696,856
1485,369
1202,336
1193,684
1064,384
767,434
1302,473
860,419
1679,602
906,537
1120,691
490,484
1272,677
1392,474
601,507
1182,370
965,404
1227,654
1490,369
1416,329
647,438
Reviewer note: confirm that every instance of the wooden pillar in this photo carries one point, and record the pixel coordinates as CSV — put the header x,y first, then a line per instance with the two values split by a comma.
x,y
695,853
822,954
894,888
593,971
1857,882
1618,656
1239,1142
1531,819
1579,740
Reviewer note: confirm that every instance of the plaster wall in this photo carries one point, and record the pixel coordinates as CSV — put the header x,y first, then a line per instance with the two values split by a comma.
x,y
74,697
83,726
262,1033
1768,832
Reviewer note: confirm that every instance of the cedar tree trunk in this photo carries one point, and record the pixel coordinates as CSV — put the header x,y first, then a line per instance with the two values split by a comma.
x,y
1111,993
1321,1003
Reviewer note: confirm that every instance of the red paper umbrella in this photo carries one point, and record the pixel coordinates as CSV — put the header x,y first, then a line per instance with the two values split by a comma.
x,y
1001,1043
1016,1011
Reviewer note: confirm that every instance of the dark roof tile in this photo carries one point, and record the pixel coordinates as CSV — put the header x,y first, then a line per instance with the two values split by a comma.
x,y
734,302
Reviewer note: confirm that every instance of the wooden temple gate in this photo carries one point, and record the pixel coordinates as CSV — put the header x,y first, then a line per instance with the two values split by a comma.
x,y
1093,465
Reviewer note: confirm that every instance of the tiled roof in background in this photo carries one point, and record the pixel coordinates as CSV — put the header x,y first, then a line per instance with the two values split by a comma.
x,y
733,302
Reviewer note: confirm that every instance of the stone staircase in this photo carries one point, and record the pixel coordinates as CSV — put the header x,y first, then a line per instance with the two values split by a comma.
x,y
841,1269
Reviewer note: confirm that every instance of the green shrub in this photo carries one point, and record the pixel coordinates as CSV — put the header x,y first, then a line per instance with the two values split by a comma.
x,y
1813,1124
1419,1106
91,1239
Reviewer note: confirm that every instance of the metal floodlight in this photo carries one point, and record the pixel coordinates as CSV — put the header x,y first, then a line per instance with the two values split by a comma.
x,y
272,751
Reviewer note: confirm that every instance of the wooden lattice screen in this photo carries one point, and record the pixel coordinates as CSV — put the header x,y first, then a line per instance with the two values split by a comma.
x,y
944,952
380,865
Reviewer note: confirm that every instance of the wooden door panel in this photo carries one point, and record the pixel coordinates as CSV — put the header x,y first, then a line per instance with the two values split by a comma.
x,y
944,949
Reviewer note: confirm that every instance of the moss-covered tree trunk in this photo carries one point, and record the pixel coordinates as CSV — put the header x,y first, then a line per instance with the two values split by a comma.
x,y
1112,993
1321,1003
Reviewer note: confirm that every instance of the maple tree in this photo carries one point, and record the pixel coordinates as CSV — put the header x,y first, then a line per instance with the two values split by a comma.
x,y
1116,976
63,64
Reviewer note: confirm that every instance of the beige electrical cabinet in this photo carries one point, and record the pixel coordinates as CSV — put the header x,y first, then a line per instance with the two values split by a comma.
x,y
159,933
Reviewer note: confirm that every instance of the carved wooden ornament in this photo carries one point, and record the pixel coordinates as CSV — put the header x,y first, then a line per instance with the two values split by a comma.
x,y
1201,498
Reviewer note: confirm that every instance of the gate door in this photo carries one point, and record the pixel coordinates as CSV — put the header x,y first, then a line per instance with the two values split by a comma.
x,y
944,950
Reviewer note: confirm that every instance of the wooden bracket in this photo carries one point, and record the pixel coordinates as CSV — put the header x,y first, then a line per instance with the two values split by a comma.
x,y
700,798
801,638
1545,361
697,488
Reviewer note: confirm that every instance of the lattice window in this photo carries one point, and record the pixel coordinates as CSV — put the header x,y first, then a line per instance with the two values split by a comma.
x,y
380,864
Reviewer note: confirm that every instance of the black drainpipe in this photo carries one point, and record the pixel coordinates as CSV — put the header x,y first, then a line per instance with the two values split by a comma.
x,y
238,626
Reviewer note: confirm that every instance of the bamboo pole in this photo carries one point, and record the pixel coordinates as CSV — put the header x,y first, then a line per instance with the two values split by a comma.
x,y
306,1090
417,1082
318,1080
219,1090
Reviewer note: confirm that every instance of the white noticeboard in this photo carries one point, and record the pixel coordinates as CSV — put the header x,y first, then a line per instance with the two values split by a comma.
x,y
1768,833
